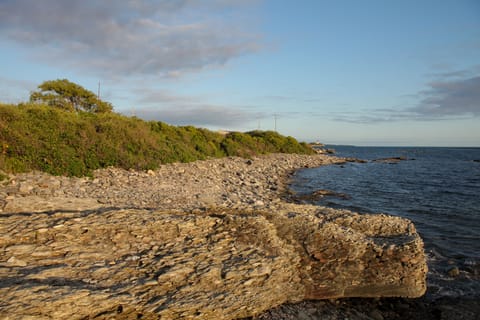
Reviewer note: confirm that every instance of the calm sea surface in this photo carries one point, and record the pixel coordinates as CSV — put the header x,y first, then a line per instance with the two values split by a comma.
x,y
436,188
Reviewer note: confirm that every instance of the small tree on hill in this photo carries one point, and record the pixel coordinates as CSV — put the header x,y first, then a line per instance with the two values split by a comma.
x,y
70,96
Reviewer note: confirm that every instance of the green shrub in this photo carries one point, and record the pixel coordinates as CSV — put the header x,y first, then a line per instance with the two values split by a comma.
x,y
41,137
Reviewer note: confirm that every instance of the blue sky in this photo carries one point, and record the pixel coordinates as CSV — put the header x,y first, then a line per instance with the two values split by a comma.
x,y
350,72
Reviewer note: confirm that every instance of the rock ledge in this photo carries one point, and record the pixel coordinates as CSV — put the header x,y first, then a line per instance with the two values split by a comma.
x,y
125,245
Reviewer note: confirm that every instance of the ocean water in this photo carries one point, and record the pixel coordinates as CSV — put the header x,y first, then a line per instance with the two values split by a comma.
x,y
436,188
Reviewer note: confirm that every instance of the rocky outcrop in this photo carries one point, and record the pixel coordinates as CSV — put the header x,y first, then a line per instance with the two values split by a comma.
x,y
143,264
392,160
207,258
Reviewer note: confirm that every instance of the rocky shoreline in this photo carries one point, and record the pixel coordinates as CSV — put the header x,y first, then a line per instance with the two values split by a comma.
x,y
228,182
64,251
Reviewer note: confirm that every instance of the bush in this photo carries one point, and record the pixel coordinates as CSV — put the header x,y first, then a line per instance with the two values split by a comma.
x,y
41,137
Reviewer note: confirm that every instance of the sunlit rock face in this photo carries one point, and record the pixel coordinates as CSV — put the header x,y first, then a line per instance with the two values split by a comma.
x,y
209,240
213,264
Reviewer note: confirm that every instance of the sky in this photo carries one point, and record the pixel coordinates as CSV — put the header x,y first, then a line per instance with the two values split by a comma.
x,y
371,72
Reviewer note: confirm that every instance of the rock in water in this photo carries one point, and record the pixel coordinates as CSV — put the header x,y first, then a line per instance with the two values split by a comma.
x,y
105,263
453,271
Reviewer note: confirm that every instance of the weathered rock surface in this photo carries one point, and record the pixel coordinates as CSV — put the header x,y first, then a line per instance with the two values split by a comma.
x,y
207,240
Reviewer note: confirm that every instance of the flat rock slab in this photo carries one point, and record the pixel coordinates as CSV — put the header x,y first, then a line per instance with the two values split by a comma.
x,y
217,264
31,204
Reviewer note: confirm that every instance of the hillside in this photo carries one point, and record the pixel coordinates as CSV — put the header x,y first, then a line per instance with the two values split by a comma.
x,y
36,136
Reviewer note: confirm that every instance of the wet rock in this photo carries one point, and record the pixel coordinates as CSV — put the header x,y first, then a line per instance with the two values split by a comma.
x,y
375,315
472,266
392,160
322,150
453,271
356,160
319,194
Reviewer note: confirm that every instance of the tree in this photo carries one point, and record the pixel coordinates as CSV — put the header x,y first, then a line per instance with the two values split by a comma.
x,y
70,96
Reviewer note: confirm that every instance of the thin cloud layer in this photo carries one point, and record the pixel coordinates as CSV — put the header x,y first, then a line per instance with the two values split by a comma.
x,y
448,99
178,109
200,115
128,38
164,105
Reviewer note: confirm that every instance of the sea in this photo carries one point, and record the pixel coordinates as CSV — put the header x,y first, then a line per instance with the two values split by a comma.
x,y
438,189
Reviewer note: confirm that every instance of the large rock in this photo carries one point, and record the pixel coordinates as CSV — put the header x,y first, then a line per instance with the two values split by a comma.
x,y
213,264
350,255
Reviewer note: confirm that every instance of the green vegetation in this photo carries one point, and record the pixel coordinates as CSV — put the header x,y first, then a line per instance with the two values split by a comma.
x,y
74,141
261,142
69,96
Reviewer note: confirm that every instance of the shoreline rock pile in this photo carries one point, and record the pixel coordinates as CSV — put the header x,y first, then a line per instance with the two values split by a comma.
x,y
210,239
227,182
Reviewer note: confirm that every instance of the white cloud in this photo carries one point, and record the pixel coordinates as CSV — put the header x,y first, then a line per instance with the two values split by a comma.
x,y
128,38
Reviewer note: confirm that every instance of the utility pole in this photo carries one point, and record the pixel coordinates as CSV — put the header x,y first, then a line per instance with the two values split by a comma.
x,y
275,118
98,92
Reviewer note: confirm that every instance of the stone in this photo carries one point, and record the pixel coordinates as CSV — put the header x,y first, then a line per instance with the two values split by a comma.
x,y
20,249
210,239
392,160
210,277
375,314
14,262
25,187
214,262
319,194
453,271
